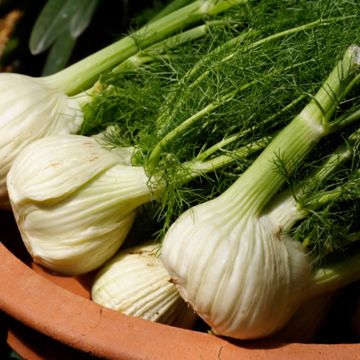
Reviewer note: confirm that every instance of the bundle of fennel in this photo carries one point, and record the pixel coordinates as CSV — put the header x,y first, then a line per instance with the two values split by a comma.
x,y
263,231
34,108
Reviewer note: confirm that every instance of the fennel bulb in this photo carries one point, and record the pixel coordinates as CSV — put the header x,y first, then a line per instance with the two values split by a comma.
x,y
135,283
74,201
31,108
235,272
230,258
43,106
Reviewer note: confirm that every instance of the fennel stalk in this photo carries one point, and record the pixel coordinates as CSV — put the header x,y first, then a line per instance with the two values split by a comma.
x,y
229,259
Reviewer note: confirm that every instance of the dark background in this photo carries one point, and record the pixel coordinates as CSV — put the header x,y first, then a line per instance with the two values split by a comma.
x,y
111,20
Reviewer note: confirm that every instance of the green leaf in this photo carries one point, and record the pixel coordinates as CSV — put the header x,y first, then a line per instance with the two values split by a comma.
x,y
52,21
59,54
83,16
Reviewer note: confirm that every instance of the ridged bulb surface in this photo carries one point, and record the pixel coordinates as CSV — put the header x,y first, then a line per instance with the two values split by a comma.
x,y
74,201
30,108
136,283
238,273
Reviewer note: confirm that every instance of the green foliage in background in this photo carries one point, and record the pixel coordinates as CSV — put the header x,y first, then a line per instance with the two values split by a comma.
x,y
57,28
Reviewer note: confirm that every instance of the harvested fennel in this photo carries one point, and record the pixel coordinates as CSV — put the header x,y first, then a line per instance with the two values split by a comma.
x,y
38,107
135,283
89,191
75,205
230,258
211,117
246,84
207,108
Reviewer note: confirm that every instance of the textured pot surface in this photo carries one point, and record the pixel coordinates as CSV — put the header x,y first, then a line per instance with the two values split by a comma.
x,y
59,307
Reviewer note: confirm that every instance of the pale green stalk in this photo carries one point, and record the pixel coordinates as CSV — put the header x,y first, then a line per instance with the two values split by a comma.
x,y
174,5
203,155
342,154
82,74
285,207
287,211
261,181
335,275
346,119
195,167
159,49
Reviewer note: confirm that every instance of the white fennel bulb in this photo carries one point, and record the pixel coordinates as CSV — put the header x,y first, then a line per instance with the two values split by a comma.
x,y
74,201
136,283
235,272
31,108
231,258
42,105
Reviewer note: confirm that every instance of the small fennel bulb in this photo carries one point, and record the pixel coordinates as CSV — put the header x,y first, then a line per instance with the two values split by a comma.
x,y
74,201
135,283
32,108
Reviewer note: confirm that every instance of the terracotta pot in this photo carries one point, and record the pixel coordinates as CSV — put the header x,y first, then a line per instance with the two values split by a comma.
x,y
59,307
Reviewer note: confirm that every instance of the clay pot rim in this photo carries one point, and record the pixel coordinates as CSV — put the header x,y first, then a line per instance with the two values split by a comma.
x,y
30,298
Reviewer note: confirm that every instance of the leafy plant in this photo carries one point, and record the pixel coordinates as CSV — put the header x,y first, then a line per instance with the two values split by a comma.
x,y
58,27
